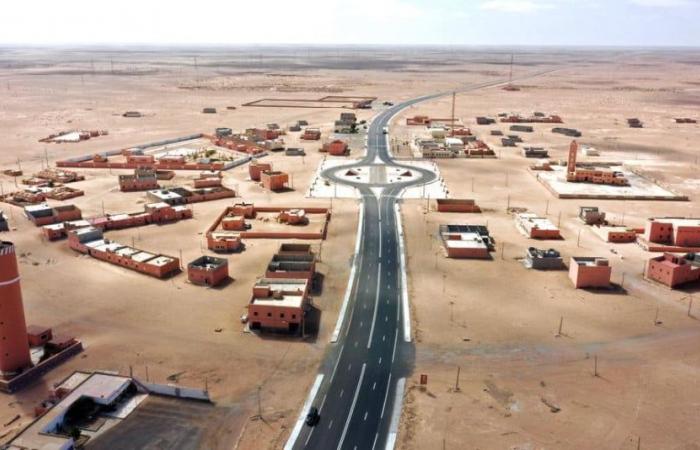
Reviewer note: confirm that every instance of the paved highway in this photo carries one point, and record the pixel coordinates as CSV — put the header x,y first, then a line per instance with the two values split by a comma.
x,y
360,381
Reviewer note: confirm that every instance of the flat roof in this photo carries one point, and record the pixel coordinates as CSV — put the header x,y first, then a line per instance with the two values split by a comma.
x,y
161,261
141,256
102,388
164,194
540,222
678,221
466,240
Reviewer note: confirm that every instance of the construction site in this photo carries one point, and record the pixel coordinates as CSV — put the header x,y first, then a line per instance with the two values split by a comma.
x,y
192,288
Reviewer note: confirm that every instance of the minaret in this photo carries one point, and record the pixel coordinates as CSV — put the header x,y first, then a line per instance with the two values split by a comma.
x,y
14,344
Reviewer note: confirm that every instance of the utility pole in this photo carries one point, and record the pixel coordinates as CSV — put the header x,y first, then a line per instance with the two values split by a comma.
x,y
561,325
595,365
459,369
452,123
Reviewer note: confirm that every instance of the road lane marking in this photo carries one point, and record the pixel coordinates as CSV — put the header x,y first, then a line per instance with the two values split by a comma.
x,y
349,367
376,305
302,415
330,424
396,337
386,395
380,360
396,415
352,407
374,385
375,440
365,417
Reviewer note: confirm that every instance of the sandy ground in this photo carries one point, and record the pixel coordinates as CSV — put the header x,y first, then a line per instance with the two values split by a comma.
x,y
495,320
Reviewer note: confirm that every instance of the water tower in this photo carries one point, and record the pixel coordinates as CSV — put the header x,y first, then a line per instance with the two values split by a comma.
x,y
14,345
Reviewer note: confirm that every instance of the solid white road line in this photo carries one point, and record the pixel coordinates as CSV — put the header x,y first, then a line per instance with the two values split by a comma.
x,y
351,280
395,415
396,337
352,407
302,415
376,305
404,276
375,440
386,395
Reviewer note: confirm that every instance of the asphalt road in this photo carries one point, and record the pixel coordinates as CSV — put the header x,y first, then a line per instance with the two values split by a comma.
x,y
362,370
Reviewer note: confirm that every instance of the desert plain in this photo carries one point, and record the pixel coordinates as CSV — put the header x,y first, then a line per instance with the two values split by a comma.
x,y
522,384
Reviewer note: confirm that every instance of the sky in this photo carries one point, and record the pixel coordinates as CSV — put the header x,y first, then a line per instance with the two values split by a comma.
x,y
403,22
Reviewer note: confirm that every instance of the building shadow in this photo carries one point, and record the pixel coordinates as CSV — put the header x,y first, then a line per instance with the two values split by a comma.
x,y
317,284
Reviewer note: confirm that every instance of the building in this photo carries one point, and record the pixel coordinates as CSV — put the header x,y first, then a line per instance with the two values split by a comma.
x,y
24,353
685,120
153,213
673,231
89,241
56,231
57,176
274,180
184,195
596,176
481,120
458,205
209,110
535,118
294,265
589,272
522,128
279,304
43,214
618,234
4,225
590,215
571,132
543,259
673,270
142,180
466,241
208,271
207,181
336,147
294,216
536,227
311,134
133,114
91,404
535,152
256,168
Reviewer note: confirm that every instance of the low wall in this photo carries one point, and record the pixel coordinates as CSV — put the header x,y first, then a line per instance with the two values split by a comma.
x,y
170,390
30,375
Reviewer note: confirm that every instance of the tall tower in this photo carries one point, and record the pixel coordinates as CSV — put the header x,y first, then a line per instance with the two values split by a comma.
x,y
573,149
14,345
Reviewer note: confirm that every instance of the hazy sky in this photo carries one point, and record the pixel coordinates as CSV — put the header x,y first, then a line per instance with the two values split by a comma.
x,y
471,22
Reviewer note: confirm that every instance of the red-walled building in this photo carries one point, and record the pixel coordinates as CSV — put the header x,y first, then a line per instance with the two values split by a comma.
x,y
586,272
673,231
140,180
43,214
278,304
457,205
256,168
311,134
208,271
337,148
274,180
673,270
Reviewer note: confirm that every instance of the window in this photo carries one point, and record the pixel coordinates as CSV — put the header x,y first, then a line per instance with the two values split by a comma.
x,y
269,314
294,316
281,315
255,313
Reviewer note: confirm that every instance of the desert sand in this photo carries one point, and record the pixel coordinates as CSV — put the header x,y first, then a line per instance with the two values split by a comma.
x,y
494,320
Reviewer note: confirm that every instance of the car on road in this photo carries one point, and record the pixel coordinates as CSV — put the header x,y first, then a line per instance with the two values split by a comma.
x,y
312,417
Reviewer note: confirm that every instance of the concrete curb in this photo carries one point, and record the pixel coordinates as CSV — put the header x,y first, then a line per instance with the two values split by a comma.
x,y
396,415
351,281
406,316
302,415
